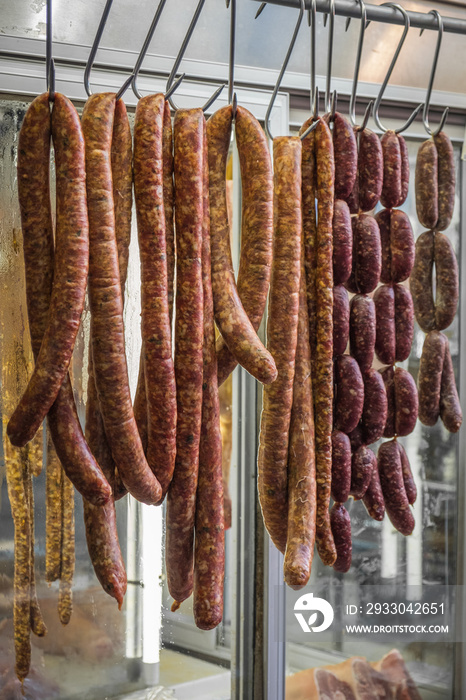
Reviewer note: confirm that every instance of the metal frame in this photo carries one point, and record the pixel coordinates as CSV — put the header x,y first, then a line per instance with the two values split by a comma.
x,y
381,13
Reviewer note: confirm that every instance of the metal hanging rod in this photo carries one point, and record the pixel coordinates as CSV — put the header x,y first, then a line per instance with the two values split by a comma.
x,y
381,13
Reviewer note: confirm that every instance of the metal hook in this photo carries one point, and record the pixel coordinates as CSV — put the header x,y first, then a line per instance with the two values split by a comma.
x,y
425,112
95,46
49,62
413,116
284,66
352,108
231,58
179,58
311,19
145,47
331,31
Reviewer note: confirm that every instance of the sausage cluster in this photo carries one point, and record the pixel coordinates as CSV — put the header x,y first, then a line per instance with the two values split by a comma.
x,y
338,300
436,310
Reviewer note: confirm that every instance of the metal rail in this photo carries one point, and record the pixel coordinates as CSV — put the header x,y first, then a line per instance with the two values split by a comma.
x,y
381,13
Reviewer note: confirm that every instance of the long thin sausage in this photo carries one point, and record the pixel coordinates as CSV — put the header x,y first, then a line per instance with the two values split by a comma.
x,y
323,384
53,514
21,515
209,552
308,189
230,315
122,176
189,129
65,599
282,326
256,227
36,221
156,333
301,458
70,276
168,202
107,308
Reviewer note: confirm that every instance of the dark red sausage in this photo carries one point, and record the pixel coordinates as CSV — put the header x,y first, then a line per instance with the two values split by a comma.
x,y
282,328
406,402
341,466
408,479
362,330
370,170
388,376
189,127
362,465
367,255
426,184
345,151
429,380
420,282
209,551
301,458
155,317
446,180
256,227
393,488
447,281
349,393
404,322
69,280
385,337
395,170
373,498
342,242
34,200
341,531
341,319
168,203
107,328
374,412
230,315
450,408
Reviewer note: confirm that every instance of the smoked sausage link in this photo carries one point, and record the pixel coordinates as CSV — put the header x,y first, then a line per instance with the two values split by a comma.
x,y
230,315
362,330
282,328
69,280
447,282
34,199
421,282
446,180
345,151
341,466
393,488
107,329
159,371
426,184
370,170
450,408
429,379
189,127
256,227
341,531
374,412
349,393
209,551
301,458
323,374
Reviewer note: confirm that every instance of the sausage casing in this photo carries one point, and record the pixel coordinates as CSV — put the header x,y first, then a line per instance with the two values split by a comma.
x,y
426,184
341,466
446,180
362,330
393,488
429,379
450,408
362,465
283,314
341,531
349,391
256,227
374,412
341,319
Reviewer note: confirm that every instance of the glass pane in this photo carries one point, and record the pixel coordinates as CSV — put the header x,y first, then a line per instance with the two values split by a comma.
x,y
387,567
102,652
